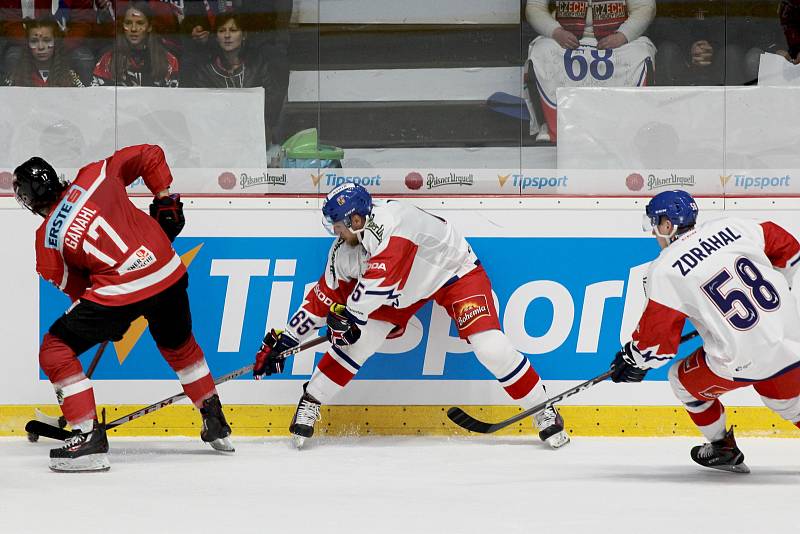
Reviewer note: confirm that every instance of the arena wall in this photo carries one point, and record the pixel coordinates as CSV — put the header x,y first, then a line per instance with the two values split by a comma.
x,y
567,274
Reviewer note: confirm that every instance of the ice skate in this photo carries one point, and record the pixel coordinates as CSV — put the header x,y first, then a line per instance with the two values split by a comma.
x,y
722,454
305,417
83,452
551,427
215,428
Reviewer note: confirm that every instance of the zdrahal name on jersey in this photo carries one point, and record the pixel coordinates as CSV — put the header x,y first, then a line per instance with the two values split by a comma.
x,y
706,247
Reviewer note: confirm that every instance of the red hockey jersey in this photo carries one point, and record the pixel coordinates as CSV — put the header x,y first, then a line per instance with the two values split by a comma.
x,y
96,245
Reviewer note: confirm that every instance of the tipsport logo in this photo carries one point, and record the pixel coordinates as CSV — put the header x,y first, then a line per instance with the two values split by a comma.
x,y
746,182
524,182
333,179
241,287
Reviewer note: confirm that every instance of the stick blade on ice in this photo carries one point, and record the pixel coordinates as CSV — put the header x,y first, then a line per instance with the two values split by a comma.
x,y
466,421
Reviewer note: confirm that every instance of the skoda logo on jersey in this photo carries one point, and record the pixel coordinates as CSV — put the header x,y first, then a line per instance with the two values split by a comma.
x,y
58,219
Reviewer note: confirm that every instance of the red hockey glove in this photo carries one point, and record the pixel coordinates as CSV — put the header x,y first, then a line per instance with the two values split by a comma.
x,y
342,330
268,359
168,211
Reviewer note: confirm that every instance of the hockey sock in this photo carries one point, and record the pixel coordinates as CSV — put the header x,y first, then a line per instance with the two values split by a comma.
x,y
709,418
334,372
190,365
84,426
73,390
512,369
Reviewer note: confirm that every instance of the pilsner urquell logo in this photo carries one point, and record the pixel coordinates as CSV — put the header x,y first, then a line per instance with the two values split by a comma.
x,y
469,310
246,180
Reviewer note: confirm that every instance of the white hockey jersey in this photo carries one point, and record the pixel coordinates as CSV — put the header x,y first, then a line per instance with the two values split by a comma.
x,y
730,277
412,254
344,267
405,256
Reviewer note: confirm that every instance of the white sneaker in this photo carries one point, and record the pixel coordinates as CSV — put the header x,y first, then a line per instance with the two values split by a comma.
x,y
544,134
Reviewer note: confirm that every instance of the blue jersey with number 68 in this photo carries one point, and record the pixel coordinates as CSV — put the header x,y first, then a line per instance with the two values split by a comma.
x,y
730,278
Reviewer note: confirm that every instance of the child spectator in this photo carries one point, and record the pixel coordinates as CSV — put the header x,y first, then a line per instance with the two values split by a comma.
x,y
138,59
44,62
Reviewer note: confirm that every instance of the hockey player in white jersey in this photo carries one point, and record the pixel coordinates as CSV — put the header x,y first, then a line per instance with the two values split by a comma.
x,y
388,260
731,278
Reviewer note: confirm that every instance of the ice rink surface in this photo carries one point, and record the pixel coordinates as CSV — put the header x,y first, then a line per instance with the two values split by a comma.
x,y
402,485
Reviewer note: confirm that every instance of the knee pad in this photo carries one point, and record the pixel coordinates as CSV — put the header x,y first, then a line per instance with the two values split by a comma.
x,y
677,387
57,359
495,351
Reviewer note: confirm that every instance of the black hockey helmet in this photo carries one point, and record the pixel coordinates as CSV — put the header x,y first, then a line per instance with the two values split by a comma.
x,y
37,186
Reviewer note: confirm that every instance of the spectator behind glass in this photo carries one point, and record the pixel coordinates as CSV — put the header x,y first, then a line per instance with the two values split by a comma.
x,y
789,12
581,43
232,66
138,58
44,62
702,50
267,26
77,16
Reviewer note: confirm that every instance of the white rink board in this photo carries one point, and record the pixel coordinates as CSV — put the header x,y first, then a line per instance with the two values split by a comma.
x,y
19,382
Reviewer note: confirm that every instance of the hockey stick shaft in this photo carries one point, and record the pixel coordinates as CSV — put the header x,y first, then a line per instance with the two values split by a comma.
x,y
224,378
96,359
48,431
466,421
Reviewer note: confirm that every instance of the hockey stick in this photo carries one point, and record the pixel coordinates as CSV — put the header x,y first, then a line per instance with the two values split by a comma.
x,y
466,421
48,431
60,422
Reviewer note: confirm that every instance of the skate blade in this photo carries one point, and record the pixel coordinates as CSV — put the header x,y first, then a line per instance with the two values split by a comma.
x,y
558,440
741,469
85,464
298,441
222,445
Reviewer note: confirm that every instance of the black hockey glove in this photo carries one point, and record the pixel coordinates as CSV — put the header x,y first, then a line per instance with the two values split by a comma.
x,y
341,328
168,211
624,366
268,359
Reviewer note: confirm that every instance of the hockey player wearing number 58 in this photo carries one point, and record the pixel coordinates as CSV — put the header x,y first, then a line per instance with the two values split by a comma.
x,y
116,264
388,260
731,278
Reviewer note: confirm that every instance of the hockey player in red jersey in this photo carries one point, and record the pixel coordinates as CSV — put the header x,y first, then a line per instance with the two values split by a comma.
x,y
730,277
116,264
389,259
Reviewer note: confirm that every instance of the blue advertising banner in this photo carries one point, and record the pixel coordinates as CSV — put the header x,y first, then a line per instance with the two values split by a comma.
x,y
561,300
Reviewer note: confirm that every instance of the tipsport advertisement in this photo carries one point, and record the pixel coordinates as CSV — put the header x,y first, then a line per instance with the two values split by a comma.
x,y
567,303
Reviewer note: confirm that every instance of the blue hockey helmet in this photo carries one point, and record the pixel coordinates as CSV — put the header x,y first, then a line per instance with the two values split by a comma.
x,y
677,206
343,202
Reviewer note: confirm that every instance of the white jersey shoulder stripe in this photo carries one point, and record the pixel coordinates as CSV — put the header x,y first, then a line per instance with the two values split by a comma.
x,y
143,282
